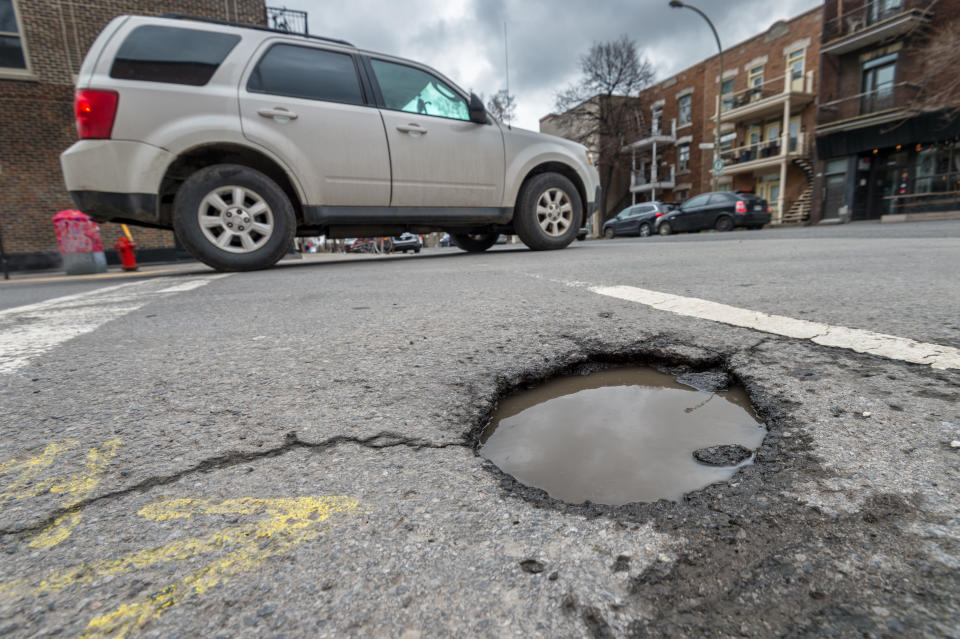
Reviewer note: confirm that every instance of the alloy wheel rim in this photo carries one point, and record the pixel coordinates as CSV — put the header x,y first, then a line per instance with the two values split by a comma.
x,y
554,212
235,219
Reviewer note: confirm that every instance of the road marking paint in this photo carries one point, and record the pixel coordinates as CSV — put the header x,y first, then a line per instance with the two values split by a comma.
x,y
76,487
858,340
285,523
32,330
97,276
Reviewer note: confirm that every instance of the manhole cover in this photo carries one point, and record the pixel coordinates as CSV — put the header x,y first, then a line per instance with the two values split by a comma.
x,y
621,435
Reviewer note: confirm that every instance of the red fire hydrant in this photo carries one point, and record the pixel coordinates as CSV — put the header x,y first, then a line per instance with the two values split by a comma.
x,y
125,248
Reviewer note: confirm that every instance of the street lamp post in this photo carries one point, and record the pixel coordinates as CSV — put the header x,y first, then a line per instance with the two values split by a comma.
x,y
677,4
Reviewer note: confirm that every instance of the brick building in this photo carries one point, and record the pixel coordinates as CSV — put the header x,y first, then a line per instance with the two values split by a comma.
x,y
42,44
888,143
768,114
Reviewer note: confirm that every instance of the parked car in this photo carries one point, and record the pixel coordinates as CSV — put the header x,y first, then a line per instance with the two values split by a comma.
x,y
721,210
445,240
638,219
240,138
405,242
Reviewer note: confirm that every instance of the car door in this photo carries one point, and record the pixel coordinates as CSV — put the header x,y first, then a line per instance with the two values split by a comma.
x,y
306,105
719,204
621,223
438,156
688,217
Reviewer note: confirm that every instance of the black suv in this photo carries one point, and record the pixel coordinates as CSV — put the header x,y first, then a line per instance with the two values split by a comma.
x,y
639,219
721,210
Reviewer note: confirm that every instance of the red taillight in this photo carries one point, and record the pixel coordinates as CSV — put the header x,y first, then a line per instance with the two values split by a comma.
x,y
95,111
769,209
741,206
659,214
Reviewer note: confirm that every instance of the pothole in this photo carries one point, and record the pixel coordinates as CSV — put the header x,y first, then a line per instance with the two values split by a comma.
x,y
624,434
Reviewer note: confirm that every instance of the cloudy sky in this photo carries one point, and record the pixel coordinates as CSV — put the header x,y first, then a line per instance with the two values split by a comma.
x,y
464,38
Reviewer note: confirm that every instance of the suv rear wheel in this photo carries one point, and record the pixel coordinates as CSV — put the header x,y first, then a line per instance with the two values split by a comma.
x,y
549,212
473,242
233,218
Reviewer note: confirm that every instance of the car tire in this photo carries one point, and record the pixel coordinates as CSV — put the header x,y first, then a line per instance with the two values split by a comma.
x,y
644,230
609,234
207,205
549,212
474,242
416,250
665,228
723,224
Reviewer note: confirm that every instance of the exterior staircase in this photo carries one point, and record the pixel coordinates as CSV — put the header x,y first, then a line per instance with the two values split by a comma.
x,y
799,211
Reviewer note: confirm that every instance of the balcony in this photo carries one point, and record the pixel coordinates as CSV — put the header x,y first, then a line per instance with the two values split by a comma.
x,y
873,22
289,20
763,155
654,135
642,181
865,109
768,98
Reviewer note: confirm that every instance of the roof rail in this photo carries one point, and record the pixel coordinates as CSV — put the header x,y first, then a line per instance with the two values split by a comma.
x,y
182,16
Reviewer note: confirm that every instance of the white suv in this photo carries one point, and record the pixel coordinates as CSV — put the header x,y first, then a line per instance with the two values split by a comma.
x,y
240,138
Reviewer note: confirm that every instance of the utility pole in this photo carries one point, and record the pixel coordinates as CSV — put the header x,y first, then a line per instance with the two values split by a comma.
x,y
677,4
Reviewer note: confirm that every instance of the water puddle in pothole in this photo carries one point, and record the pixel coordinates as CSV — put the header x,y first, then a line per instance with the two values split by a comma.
x,y
621,435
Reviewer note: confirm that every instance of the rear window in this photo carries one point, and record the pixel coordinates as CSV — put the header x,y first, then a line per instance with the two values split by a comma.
x,y
305,72
170,54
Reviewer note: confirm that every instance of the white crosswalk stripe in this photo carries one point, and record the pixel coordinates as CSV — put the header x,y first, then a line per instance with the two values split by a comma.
x,y
29,331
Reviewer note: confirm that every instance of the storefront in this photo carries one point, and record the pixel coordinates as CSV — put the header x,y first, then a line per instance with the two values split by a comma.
x,y
895,168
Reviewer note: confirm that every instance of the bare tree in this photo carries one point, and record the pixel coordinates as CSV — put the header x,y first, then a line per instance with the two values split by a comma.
x,y
939,84
602,110
503,106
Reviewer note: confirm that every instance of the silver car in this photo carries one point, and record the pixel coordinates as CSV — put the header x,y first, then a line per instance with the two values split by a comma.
x,y
240,138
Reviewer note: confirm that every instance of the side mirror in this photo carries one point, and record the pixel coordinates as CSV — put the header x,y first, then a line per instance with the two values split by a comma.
x,y
478,114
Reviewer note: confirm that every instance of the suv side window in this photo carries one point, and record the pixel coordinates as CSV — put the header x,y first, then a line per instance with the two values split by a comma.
x,y
719,199
693,203
170,54
646,208
305,72
414,91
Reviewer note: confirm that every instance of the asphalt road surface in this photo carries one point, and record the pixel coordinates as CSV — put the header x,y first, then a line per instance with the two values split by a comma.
x,y
291,452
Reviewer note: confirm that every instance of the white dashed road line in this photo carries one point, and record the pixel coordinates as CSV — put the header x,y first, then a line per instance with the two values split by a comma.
x,y
861,341
29,331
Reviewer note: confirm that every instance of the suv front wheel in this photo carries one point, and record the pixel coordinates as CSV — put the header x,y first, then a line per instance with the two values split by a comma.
x,y
549,212
233,218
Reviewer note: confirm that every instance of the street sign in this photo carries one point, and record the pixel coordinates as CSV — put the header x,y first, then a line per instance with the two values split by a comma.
x,y
706,146
718,166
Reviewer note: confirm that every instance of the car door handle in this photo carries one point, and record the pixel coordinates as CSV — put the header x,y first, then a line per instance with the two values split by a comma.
x,y
278,113
411,128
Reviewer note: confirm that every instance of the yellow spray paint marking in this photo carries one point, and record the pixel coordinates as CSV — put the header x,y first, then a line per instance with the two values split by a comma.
x,y
285,524
75,488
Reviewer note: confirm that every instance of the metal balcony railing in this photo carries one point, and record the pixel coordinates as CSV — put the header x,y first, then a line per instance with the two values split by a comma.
x,y
289,20
776,86
645,178
857,17
889,98
765,150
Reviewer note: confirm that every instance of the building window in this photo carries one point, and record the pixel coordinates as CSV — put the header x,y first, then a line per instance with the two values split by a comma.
x,y
683,105
877,85
656,120
727,142
726,95
755,77
683,158
12,55
883,9
795,67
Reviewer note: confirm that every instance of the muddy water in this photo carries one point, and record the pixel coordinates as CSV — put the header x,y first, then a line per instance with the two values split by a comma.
x,y
617,436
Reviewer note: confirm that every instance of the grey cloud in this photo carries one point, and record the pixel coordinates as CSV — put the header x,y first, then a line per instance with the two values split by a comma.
x,y
546,39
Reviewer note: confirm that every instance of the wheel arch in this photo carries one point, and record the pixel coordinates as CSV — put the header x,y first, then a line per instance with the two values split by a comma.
x,y
206,155
566,171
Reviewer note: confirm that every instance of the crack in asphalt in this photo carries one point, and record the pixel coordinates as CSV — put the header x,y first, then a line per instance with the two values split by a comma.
x,y
382,440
